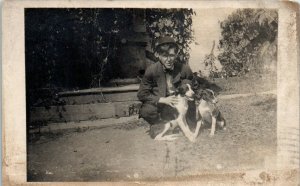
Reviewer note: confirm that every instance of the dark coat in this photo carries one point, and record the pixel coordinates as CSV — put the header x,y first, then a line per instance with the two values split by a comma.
x,y
154,86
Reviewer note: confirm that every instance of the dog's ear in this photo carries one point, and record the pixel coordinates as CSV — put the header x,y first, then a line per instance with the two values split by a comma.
x,y
195,84
180,90
198,94
202,94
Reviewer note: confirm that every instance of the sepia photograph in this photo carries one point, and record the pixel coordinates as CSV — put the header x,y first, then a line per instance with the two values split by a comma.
x,y
116,94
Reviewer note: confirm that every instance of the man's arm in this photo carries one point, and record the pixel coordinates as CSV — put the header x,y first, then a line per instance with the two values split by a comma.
x,y
145,93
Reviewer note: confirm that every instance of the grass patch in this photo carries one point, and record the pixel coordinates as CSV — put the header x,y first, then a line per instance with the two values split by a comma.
x,y
250,83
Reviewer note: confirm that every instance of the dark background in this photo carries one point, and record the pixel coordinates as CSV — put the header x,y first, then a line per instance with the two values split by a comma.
x,y
63,47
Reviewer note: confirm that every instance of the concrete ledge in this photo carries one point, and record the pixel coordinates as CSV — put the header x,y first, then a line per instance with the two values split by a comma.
x,y
84,125
127,88
84,112
100,98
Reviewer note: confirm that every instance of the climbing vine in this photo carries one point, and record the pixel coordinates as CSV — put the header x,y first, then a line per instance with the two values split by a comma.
x,y
176,23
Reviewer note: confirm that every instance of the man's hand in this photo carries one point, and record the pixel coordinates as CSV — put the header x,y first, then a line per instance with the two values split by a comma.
x,y
171,100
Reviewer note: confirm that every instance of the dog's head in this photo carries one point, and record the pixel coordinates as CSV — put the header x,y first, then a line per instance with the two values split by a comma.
x,y
185,90
207,95
200,83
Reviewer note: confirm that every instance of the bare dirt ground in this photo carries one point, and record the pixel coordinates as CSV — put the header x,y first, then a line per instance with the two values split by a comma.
x,y
126,152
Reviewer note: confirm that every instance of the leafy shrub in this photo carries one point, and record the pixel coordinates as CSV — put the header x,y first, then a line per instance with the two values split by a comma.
x,y
248,35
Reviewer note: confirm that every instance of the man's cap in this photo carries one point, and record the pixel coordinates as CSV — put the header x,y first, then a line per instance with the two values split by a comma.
x,y
165,40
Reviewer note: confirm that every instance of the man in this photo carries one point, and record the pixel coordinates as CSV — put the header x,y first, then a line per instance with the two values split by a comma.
x,y
160,80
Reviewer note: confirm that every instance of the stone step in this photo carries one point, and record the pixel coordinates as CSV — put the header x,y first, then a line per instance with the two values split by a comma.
x,y
84,112
99,98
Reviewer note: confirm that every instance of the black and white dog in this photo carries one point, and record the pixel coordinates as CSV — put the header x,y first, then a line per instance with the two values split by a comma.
x,y
184,94
207,110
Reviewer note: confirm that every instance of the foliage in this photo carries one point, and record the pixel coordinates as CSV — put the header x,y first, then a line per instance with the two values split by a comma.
x,y
106,27
77,48
71,48
248,35
209,62
176,23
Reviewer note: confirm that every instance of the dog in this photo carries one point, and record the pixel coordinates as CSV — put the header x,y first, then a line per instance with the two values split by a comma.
x,y
207,110
200,83
184,94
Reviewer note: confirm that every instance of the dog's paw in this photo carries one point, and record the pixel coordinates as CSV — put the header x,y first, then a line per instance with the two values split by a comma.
x,y
211,135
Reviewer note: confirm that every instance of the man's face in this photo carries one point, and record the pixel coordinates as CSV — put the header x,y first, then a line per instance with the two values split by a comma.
x,y
167,55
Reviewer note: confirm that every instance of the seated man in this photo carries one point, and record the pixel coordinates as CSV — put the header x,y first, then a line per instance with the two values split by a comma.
x,y
158,85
